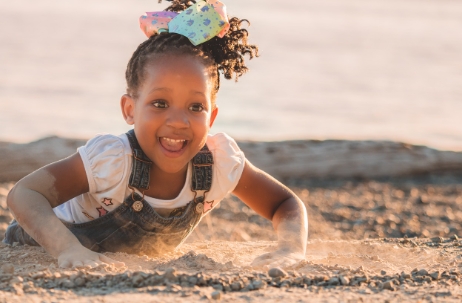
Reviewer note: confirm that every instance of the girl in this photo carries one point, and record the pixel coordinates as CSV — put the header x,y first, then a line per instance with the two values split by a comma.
x,y
145,191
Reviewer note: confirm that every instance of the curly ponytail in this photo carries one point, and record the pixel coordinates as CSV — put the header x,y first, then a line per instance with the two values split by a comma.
x,y
225,55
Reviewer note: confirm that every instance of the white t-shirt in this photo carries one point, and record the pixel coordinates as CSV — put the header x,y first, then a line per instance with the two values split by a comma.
x,y
108,162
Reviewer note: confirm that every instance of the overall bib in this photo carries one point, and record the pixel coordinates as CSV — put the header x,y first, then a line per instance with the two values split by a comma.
x,y
135,227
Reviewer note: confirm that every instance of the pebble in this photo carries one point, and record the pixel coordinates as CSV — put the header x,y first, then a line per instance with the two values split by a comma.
x,y
258,284
388,285
192,280
435,275
137,279
216,295
422,272
235,286
217,287
7,268
437,240
276,272
333,281
79,281
170,274
344,280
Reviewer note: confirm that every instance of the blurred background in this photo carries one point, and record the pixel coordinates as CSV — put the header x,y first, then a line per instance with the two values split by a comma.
x,y
329,69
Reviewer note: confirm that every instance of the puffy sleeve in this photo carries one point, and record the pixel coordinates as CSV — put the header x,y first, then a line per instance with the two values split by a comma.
x,y
104,162
229,162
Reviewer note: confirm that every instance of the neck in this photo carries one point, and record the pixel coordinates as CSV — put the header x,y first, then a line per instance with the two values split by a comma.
x,y
166,186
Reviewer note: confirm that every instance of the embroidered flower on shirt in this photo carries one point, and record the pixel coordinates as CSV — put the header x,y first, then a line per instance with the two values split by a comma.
x,y
208,205
87,215
107,201
101,211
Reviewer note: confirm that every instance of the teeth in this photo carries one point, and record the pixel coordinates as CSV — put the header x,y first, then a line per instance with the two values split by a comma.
x,y
173,140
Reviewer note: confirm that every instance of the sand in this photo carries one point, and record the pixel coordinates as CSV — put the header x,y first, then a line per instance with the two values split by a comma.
x,y
375,241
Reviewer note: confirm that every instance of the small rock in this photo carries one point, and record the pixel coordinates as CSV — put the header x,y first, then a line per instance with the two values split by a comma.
x,y
383,273
68,284
192,280
258,284
170,274
137,279
276,272
435,275
79,281
237,285
422,272
298,280
216,295
388,285
218,287
333,281
454,237
15,244
437,240
344,280
248,287
307,281
7,268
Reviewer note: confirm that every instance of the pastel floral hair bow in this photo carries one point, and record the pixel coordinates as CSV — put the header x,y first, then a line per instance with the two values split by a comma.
x,y
199,23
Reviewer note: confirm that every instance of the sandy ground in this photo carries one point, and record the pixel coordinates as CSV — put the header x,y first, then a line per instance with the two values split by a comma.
x,y
374,241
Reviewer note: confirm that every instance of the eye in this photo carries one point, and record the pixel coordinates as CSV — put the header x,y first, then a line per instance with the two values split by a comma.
x,y
196,107
160,104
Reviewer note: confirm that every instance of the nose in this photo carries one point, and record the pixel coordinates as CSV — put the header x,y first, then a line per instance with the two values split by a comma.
x,y
177,118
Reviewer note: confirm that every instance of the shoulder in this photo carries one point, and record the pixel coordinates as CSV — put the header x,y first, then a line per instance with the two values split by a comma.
x,y
223,144
229,162
107,143
105,159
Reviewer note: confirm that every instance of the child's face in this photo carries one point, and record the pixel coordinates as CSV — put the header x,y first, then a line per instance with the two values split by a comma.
x,y
173,112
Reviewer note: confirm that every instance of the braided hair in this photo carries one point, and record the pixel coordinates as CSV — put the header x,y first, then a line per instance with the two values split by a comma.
x,y
225,55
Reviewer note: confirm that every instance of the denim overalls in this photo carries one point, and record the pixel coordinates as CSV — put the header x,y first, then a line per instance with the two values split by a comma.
x,y
135,227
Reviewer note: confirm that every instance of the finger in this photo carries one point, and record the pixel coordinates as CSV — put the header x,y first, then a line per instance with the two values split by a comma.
x,y
65,264
90,263
260,263
77,264
262,259
111,261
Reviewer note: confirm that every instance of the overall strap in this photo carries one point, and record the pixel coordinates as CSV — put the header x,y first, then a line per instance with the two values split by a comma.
x,y
202,170
139,177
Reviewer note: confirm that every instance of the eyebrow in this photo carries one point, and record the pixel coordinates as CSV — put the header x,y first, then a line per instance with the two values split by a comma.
x,y
166,89
160,89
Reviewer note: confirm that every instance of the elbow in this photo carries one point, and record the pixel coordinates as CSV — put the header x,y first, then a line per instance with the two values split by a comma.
x,y
10,199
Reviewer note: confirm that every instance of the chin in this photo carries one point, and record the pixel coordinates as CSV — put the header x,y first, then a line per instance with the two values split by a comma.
x,y
173,169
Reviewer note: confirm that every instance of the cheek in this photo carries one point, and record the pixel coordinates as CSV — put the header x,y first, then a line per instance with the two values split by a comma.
x,y
201,122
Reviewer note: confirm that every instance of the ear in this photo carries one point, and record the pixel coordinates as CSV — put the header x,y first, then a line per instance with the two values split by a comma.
x,y
213,116
127,104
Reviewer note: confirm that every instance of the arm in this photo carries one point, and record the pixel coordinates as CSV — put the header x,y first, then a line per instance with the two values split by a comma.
x,y
274,201
32,200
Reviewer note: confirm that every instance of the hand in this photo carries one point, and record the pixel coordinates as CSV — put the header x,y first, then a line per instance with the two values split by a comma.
x,y
282,257
80,256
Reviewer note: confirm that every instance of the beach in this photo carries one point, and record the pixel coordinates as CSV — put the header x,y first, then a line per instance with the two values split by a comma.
x,y
370,241
376,238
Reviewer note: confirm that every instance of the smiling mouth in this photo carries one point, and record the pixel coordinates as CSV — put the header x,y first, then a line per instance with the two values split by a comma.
x,y
173,145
